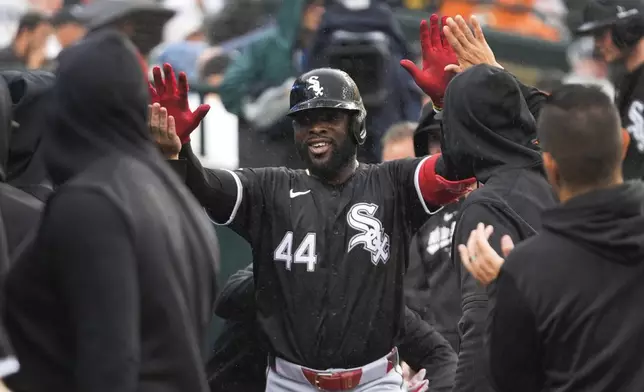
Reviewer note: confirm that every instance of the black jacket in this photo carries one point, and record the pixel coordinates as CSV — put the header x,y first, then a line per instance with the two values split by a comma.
x,y
432,286
20,210
30,93
240,356
490,132
568,301
118,290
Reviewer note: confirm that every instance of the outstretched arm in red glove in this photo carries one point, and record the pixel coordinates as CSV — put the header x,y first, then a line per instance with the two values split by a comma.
x,y
437,54
174,97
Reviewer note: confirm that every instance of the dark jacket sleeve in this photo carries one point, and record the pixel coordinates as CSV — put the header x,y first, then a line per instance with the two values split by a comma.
x,y
471,373
424,348
237,299
513,341
87,241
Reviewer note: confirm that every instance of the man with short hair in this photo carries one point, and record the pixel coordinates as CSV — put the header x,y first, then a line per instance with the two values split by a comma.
x,y
568,301
398,142
27,50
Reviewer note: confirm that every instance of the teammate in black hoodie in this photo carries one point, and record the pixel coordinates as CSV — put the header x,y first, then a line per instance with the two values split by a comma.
x,y
568,313
490,133
30,94
118,290
431,282
20,210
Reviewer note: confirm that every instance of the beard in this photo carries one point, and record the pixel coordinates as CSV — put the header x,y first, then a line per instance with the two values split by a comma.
x,y
341,156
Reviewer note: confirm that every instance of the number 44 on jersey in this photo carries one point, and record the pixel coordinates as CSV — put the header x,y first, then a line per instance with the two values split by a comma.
x,y
304,254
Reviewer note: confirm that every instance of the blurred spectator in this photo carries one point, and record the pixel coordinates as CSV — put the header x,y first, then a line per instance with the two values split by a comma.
x,y
257,85
398,142
542,19
587,67
184,42
220,149
364,39
141,20
68,26
27,50
237,18
549,81
213,66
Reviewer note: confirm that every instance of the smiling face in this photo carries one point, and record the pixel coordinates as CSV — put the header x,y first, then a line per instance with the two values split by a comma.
x,y
323,141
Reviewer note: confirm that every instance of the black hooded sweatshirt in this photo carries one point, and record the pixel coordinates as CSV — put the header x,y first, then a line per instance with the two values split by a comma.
x,y
489,132
21,211
568,312
31,97
239,357
118,290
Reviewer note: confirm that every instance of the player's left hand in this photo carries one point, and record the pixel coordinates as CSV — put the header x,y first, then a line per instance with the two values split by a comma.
x,y
418,382
469,45
174,98
479,258
437,55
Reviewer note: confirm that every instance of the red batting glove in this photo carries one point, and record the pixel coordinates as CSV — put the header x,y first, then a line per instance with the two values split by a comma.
x,y
437,54
175,100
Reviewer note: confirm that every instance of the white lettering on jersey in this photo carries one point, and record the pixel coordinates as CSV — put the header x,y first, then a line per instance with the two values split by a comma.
x,y
372,236
636,129
440,238
314,84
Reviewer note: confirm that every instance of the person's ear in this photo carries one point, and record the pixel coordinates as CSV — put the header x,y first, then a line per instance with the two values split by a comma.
x,y
551,168
626,140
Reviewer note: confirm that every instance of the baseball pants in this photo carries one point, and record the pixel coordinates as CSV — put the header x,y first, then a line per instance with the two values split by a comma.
x,y
376,377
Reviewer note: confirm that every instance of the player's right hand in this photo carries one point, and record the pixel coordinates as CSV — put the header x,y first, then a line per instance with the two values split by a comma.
x,y
437,55
164,132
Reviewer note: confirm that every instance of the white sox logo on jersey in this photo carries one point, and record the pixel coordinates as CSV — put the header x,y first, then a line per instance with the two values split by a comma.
x,y
314,84
636,129
372,235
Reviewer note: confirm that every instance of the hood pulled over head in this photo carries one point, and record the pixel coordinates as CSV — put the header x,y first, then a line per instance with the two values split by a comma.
x,y
30,94
487,124
99,107
608,222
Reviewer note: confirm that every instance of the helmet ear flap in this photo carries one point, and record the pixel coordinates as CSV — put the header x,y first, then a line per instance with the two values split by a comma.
x,y
357,128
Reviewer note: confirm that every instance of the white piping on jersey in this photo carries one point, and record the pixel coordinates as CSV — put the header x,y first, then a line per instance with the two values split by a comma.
x,y
238,201
417,186
9,366
356,164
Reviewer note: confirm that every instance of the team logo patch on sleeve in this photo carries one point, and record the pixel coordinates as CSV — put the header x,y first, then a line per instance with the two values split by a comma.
x,y
371,236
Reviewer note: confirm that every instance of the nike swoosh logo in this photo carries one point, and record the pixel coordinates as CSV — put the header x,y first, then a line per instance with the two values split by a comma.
x,y
296,194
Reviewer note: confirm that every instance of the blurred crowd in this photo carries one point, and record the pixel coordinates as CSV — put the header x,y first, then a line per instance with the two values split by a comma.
x,y
242,56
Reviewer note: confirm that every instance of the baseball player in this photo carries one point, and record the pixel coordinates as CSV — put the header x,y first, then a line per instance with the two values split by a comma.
x,y
618,28
330,243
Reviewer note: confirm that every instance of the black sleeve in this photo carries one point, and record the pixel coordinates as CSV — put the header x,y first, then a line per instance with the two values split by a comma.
x,y
232,198
87,242
415,282
513,343
471,374
404,176
237,299
424,348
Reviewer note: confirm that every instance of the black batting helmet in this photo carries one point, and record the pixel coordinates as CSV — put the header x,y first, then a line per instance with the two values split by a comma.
x,y
333,89
428,126
624,18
